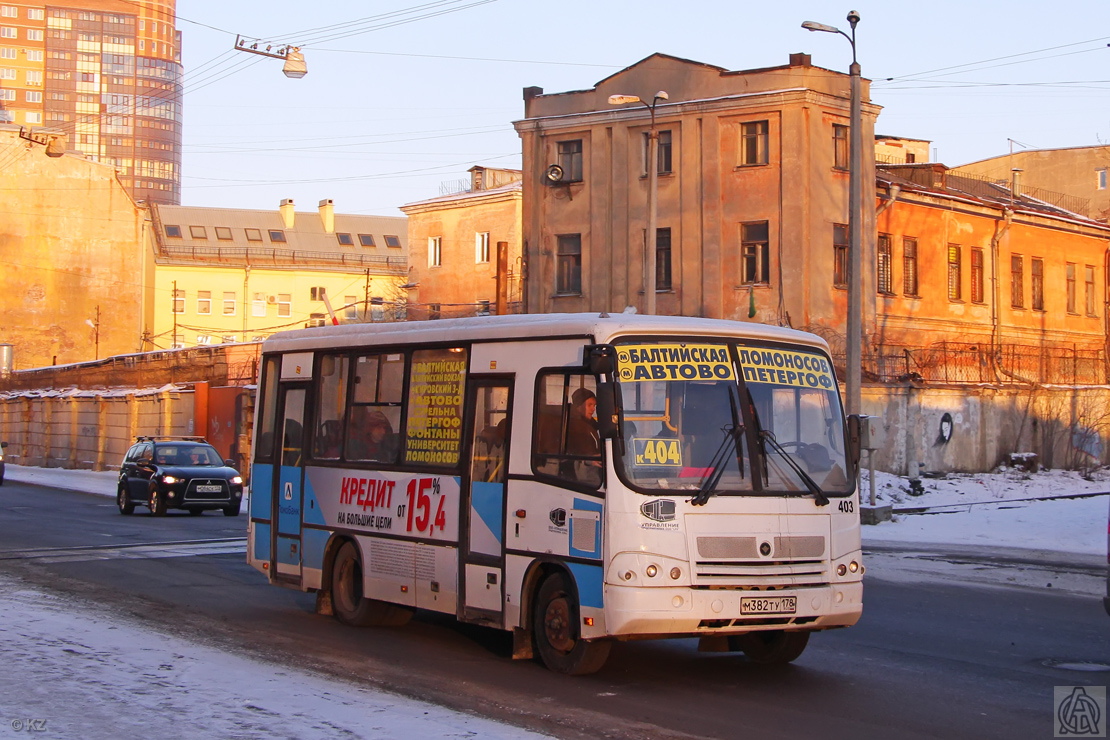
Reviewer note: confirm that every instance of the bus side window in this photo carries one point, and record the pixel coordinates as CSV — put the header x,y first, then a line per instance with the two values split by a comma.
x,y
566,441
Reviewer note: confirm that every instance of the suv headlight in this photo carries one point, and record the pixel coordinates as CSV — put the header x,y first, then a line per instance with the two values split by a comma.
x,y
237,479
169,479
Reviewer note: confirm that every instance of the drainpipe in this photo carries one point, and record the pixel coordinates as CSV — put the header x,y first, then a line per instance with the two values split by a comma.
x,y
996,345
892,195
1106,311
246,294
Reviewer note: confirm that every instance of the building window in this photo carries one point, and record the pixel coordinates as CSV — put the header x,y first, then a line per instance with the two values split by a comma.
x,y
840,255
570,159
34,77
435,311
204,301
662,154
1089,283
909,266
568,256
198,232
1017,286
481,247
179,301
7,74
840,147
753,143
977,274
35,14
350,308
258,305
7,94
7,53
173,232
34,34
884,266
253,235
1036,277
366,240
345,239
1101,179
223,233
285,304
663,259
483,308
1071,287
9,11
32,96
7,32
277,235
755,253
955,276
229,303
392,241
435,251
317,293
204,339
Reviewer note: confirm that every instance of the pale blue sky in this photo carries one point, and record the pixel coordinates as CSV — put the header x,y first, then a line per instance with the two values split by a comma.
x,y
385,117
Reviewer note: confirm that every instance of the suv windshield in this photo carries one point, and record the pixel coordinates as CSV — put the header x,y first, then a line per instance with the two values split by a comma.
x,y
178,454
698,412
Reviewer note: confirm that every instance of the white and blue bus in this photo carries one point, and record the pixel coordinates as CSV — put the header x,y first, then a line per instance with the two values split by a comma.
x,y
457,466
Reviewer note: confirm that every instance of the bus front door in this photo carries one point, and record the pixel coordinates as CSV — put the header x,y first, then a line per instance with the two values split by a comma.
x,y
288,481
482,544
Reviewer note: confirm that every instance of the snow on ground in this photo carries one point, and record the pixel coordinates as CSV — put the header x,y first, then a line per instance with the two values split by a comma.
x,y
75,670
993,509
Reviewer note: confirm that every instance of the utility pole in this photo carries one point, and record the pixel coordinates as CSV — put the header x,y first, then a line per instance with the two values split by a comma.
x,y
173,310
366,299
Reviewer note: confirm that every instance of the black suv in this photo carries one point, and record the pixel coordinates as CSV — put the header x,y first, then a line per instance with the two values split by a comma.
x,y
178,473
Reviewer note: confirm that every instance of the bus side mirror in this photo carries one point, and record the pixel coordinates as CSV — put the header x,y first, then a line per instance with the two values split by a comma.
x,y
601,359
855,438
609,412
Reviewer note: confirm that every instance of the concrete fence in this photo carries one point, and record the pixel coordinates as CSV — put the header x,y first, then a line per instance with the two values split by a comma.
x,y
88,429
930,429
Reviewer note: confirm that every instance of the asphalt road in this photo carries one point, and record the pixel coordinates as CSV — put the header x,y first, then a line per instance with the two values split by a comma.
x,y
932,656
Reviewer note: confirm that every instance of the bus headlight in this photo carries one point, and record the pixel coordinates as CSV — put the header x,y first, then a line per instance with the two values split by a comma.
x,y
651,571
676,573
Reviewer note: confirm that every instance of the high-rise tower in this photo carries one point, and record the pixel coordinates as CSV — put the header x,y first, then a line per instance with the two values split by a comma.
x,y
105,72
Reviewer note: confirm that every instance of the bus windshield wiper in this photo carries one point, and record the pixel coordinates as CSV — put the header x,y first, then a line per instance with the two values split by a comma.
x,y
818,495
718,464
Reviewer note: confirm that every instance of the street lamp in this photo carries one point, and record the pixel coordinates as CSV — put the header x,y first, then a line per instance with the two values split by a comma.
x,y
653,191
855,225
295,65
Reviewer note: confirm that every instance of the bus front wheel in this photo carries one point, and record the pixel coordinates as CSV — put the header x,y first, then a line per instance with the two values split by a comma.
x,y
555,624
771,647
351,607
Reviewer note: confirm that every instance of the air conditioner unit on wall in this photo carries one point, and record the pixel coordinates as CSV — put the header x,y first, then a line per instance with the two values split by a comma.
x,y
271,299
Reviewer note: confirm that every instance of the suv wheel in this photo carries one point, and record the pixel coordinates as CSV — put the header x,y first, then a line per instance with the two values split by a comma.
x,y
157,503
124,502
232,509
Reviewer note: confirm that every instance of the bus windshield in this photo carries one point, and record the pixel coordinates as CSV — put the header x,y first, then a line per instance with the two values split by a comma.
x,y
706,410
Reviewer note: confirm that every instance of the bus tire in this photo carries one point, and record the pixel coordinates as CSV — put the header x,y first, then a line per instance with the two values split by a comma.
x,y
555,624
773,647
350,606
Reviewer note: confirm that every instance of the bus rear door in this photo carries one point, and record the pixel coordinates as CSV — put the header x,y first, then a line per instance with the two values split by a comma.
x,y
482,540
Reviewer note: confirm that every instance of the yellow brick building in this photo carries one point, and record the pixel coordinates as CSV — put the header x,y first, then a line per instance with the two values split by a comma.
x,y
238,275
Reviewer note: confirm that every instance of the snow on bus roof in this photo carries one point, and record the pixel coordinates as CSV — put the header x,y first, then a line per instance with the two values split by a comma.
x,y
528,326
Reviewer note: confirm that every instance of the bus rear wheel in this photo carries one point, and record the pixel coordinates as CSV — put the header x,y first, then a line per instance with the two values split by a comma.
x,y
555,624
351,607
773,647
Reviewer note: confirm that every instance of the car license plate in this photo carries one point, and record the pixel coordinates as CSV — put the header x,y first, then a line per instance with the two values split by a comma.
x,y
209,489
769,605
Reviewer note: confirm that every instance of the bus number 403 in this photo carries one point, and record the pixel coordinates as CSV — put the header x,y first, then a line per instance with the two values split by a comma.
x,y
420,492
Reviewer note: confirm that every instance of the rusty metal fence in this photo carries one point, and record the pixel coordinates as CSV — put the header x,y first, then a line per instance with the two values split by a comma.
x,y
1007,364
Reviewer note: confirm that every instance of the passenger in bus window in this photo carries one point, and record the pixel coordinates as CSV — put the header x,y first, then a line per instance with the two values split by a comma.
x,y
372,436
582,437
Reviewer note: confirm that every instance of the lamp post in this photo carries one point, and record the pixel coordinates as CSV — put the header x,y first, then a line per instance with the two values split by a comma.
x,y
653,192
294,67
855,220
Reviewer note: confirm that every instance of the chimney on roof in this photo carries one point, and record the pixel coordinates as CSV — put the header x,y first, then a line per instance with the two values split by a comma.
x,y
477,178
1015,182
801,60
327,215
285,208
532,92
